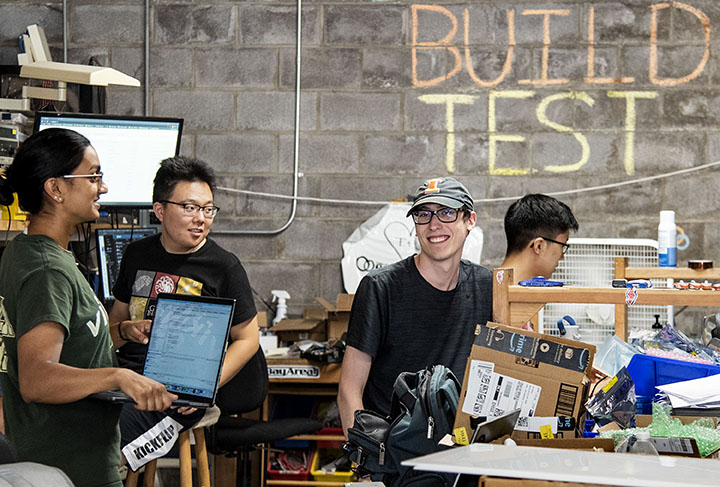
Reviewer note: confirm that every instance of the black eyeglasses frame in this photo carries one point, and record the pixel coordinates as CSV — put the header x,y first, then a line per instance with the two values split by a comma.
x,y
565,246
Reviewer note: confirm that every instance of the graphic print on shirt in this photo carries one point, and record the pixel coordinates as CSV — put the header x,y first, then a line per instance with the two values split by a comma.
x,y
6,330
101,319
148,284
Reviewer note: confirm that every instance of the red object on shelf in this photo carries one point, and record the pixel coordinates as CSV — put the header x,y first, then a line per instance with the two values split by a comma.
x,y
330,430
279,474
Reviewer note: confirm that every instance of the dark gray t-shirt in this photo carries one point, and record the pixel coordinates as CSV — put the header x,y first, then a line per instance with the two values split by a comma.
x,y
405,324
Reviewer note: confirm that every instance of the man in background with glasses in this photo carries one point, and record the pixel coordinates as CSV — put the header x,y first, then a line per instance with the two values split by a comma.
x,y
180,259
420,311
537,228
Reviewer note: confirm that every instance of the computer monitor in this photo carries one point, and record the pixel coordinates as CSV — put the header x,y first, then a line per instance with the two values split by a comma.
x,y
129,148
111,244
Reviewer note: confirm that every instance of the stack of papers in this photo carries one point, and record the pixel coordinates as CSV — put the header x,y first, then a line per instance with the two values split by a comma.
x,y
703,393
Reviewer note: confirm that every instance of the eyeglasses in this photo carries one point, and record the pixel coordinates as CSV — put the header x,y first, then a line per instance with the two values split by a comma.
x,y
94,178
565,246
444,215
192,209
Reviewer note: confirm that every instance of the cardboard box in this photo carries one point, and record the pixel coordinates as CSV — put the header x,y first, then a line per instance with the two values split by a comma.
x,y
262,319
644,420
547,374
605,444
505,482
337,315
294,330
328,322
675,446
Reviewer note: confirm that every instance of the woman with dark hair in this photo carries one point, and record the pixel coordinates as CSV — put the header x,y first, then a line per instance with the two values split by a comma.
x,y
57,346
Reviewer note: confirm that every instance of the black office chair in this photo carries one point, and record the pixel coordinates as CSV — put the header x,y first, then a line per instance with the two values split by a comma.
x,y
235,436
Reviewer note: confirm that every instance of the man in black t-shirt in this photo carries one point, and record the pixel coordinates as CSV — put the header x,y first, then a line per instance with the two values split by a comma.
x,y
420,311
537,228
181,259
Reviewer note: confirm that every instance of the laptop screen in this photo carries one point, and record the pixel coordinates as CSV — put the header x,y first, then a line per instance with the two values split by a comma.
x,y
187,343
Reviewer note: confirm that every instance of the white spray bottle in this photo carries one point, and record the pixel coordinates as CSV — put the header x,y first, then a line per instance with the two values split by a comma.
x,y
281,297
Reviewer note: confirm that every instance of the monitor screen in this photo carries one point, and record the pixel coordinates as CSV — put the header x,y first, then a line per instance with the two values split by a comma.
x,y
111,244
129,148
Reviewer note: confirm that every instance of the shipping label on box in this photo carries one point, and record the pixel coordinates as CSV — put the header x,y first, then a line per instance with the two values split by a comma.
x,y
491,395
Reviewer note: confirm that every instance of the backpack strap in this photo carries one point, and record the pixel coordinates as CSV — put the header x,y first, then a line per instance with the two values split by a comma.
x,y
403,393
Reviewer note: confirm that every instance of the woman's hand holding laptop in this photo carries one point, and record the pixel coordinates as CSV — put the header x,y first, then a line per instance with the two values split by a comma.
x,y
148,394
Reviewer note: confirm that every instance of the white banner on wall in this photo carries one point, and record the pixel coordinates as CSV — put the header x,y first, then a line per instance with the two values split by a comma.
x,y
387,237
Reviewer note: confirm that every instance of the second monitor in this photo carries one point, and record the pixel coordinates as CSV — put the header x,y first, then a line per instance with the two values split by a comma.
x,y
111,244
129,148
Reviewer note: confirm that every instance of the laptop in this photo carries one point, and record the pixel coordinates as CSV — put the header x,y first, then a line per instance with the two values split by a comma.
x,y
186,348
494,428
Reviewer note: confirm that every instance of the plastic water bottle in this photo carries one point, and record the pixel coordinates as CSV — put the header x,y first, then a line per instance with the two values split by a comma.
x,y
667,239
643,445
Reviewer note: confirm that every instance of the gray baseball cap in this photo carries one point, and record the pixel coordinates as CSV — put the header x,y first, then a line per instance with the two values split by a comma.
x,y
448,192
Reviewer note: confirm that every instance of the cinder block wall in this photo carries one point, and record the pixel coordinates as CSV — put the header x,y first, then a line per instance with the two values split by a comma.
x,y
394,92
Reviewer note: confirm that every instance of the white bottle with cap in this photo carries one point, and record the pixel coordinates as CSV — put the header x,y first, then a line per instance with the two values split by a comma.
x,y
667,239
281,297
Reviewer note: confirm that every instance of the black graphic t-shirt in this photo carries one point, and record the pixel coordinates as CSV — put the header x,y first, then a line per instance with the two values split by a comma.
x,y
147,270
405,324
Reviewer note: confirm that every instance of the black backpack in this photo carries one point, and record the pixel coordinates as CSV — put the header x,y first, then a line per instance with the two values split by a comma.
x,y
422,412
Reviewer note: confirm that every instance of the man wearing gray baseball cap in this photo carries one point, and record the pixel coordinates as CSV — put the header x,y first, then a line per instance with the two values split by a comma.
x,y
420,311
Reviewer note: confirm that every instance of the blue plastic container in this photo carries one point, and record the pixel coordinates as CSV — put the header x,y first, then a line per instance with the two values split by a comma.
x,y
644,404
648,372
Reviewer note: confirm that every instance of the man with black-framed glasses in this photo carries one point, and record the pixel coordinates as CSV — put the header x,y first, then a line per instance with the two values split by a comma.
x,y
537,228
180,259
418,312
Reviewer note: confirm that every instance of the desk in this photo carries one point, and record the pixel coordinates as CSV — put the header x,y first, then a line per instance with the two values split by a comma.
x,y
288,376
526,462
296,376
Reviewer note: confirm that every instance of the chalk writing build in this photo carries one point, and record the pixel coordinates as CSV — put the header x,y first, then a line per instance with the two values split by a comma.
x,y
460,51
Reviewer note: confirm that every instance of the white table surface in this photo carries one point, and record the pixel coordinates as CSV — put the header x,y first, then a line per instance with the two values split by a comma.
x,y
529,462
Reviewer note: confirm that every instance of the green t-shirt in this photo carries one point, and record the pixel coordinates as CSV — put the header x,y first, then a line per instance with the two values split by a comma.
x,y
40,282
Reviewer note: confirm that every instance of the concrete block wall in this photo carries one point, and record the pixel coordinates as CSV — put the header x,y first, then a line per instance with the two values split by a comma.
x,y
595,92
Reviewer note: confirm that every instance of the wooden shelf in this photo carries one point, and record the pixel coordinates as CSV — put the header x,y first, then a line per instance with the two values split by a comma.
x,y
318,373
651,296
325,384
316,483
318,437
671,273
516,305
304,389
15,225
